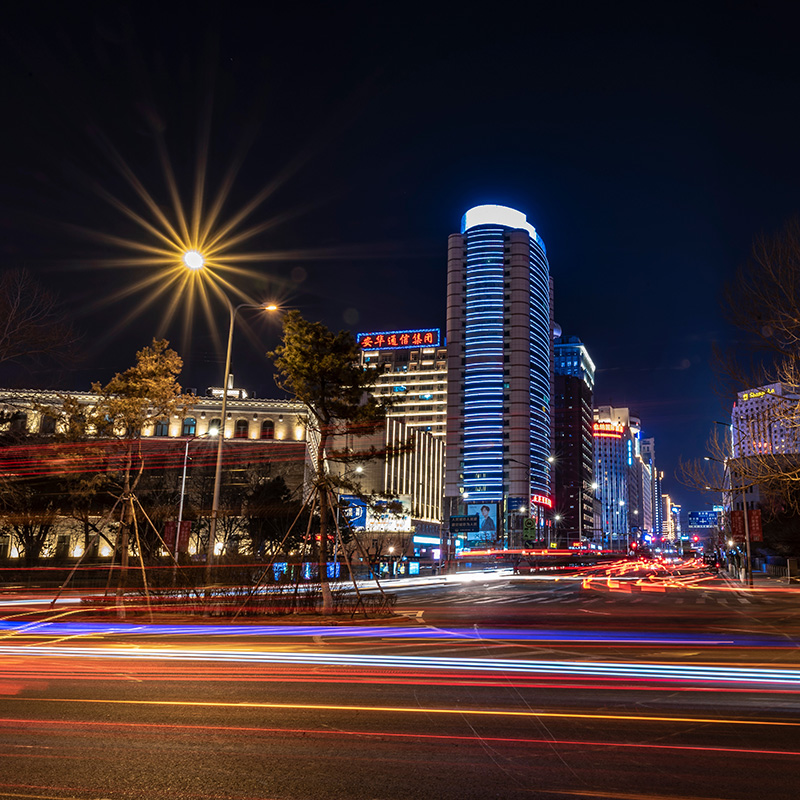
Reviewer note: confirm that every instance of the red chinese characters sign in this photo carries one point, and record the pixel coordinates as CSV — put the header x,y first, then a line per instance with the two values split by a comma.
x,y
399,340
170,529
753,524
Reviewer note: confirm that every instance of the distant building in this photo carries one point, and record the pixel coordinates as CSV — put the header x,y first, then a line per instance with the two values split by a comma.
x,y
624,481
574,442
765,421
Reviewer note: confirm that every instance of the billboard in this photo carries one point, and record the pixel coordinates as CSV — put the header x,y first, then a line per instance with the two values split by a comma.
x,y
355,511
487,521
399,340
463,524
382,515
390,515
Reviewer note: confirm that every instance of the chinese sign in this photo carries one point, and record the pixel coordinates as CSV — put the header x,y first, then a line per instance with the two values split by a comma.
x,y
464,524
541,500
399,340
607,430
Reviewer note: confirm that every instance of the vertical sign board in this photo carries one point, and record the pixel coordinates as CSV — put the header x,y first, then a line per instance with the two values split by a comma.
x,y
754,521
737,526
753,524
170,529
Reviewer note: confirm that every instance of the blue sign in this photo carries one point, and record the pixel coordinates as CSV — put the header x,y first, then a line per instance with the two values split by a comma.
x,y
703,519
355,510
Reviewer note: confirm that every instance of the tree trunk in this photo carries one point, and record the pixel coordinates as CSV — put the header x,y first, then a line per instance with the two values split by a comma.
x,y
124,530
322,497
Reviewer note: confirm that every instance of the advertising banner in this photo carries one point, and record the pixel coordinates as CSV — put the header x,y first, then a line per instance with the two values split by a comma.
x,y
487,522
355,511
737,526
183,540
754,522
390,515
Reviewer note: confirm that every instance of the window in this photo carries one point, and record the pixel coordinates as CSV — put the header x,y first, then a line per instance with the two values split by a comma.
x,y
267,429
189,427
242,429
161,428
215,425
47,426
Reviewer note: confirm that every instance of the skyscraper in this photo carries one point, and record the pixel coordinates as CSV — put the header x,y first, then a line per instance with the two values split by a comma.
x,y
499,354
573,444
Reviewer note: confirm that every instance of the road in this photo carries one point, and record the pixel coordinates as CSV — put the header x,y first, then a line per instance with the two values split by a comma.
x,y
496,688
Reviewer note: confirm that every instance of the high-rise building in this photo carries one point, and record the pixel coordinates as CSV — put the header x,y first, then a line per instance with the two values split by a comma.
x,y
618,475
764,422
573,443
499,363
412,373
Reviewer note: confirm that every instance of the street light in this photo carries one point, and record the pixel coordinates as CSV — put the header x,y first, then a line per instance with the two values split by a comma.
x,y
194,260
212,529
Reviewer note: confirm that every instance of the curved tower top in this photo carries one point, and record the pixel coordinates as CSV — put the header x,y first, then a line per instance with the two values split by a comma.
x,y
499,215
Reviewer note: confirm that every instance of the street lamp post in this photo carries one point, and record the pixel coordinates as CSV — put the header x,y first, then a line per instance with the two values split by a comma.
x,y
212,528
183,482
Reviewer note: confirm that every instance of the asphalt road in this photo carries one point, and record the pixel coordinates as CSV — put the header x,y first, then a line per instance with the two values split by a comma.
x,y
499,688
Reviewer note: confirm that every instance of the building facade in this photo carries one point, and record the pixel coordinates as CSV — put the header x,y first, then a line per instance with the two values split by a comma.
x,y
412,374
764,421
573,442
499,363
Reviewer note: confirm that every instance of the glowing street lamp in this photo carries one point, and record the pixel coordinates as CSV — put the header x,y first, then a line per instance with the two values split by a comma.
x,y
193,260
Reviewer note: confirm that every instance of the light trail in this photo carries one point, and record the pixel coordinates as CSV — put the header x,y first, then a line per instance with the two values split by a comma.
x,y
676,673
250,729
482,635
411,710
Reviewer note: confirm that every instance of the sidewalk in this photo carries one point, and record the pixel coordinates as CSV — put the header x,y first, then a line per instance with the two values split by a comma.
x,y
761,582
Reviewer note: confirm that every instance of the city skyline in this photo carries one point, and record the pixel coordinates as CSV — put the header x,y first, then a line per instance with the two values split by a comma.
x,y
618,138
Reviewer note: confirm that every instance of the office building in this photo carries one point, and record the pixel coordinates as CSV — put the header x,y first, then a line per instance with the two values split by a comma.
x,y
573,442
619,476
764,421
412,374
499,365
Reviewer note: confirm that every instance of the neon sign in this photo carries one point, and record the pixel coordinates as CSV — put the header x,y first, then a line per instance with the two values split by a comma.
x,y
753,395
607,430
541,500
399,340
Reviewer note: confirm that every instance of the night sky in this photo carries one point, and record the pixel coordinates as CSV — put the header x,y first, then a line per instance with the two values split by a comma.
x,y
648,144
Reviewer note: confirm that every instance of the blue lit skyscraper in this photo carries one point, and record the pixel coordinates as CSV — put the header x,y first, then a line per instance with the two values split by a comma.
x,y
499,353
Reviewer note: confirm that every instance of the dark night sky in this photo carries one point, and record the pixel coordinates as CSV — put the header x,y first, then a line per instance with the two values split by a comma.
x,y
649,144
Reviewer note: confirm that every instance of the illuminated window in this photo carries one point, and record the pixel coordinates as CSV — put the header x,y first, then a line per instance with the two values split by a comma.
x,y
189,427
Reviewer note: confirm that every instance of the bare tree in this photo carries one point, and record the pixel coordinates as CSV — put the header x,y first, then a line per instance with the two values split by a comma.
x,y
33,324
763,302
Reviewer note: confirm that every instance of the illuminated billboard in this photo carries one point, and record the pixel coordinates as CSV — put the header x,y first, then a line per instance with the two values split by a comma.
x,y
399,340
607,430
541,500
